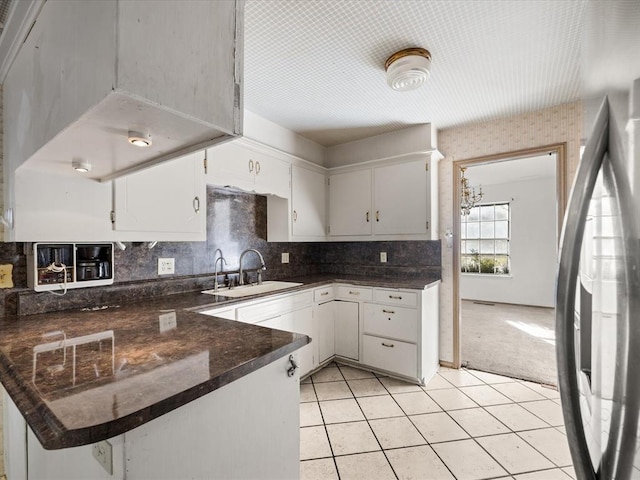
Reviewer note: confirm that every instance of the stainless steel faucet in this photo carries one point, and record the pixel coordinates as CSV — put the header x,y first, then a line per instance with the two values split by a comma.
x,y
215,266
263,267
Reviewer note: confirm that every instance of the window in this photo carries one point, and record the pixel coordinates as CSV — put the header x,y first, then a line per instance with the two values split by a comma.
x,y
484,238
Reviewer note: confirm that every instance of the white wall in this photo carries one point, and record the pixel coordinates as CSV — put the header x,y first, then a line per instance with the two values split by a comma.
x,y
560,124
532,246
268,133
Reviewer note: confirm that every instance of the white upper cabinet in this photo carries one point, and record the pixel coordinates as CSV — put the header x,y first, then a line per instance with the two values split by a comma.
x,y
163,203
350,203
166,202
384,202
401,198
308,200
242,164
90,72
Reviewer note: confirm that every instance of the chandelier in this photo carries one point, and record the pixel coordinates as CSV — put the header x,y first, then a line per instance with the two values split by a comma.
x,y
468,195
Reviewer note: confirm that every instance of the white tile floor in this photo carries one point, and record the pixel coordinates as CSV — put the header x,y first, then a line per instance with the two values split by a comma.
x,y
463,425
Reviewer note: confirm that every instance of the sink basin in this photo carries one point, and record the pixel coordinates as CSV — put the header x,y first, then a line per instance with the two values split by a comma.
x,y
246,290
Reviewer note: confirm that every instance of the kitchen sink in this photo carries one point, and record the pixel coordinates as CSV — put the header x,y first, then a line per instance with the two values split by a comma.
x,y
254,289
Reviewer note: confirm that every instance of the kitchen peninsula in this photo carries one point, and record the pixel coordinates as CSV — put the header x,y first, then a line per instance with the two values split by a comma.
x,y
218,390
176,393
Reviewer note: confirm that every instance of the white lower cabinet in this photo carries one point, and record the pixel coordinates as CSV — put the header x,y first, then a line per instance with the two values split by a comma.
x,y
324,317
289,312
300,321
395,331
390,355
347,329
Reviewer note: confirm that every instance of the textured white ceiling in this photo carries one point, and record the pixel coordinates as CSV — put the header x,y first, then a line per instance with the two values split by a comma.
x,y
317,66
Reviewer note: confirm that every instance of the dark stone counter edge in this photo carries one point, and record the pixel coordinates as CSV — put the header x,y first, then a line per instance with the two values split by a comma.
x,y
53,435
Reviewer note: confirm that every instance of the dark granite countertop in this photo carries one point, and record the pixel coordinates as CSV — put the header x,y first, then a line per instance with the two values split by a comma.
x,y
137,361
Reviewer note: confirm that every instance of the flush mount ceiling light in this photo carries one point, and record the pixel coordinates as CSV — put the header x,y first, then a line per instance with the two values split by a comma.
x,y
139,138
408,69
81,165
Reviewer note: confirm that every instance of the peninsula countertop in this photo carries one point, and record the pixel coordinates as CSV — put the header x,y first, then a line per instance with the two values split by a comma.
x,y
125,365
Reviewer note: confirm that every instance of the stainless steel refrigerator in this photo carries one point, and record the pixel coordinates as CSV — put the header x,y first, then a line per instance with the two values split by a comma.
x,y
598,298
598,283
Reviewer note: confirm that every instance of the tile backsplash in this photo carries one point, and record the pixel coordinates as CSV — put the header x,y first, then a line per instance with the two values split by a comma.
x,y
235,221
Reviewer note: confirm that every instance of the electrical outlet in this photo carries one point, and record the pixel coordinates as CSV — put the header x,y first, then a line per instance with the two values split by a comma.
x,y
168,321
285,258
383,257
166,266
102,452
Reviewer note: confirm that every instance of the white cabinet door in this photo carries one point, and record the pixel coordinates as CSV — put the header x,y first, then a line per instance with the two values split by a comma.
x,y
350,203
228,166
400,199
60,208
300,321
170,197
324,317
272,175
308,199
235,164
347,329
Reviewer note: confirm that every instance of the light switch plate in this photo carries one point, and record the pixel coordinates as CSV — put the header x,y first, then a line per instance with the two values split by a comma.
x,y
285,258
383,257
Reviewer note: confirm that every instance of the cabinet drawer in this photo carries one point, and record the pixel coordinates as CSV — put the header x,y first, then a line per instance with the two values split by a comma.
x,y
323,294
391,355
272,308
392,322
354,293
395,297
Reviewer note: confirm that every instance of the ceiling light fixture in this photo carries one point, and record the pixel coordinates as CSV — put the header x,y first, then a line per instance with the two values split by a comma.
x,y
139,139
468,195
408,69
81,165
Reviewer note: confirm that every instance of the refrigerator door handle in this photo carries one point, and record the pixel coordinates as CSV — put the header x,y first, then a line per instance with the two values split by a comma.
x,y
568,269
619,455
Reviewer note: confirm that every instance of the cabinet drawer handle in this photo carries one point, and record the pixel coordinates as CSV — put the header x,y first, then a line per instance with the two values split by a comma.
x,y
367,216
324,293
295,216
388,311
377,215
196,204
389,345
353,293
395,297
257,168
251,166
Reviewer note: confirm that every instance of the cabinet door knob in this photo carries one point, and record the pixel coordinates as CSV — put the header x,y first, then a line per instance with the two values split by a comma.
x,y
295,216
196,204
388,345
377,215
395,297
367,216
353,293
251,166
324,293
388,311
257,168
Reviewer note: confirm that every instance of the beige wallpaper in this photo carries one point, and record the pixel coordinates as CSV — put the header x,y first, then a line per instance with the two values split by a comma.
x,y
544,127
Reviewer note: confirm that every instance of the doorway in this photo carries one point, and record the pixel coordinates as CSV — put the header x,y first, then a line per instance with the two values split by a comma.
x,y
505,262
